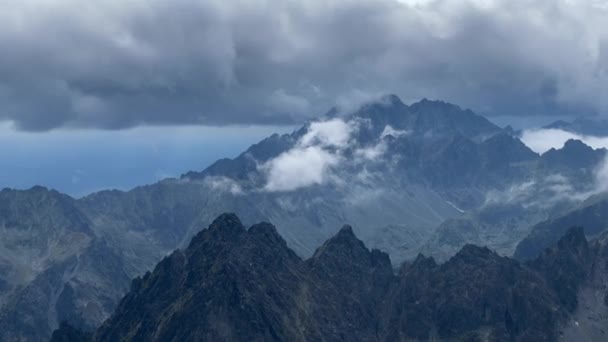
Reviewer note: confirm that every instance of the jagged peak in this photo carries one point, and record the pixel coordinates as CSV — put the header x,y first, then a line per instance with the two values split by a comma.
x,y
574,150
34,189
505,137
421,259
421,262
345,239
39,188
391,99
387,100
576,144
346,232
426,103
472,252
227,226
226,221
267,231
387,108
380,257
507,142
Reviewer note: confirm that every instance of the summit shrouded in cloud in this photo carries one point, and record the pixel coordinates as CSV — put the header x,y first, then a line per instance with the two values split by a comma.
x,y
115,64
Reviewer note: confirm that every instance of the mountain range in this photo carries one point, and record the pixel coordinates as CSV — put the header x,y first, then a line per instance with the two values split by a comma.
x,y
428,177
582,126
233,284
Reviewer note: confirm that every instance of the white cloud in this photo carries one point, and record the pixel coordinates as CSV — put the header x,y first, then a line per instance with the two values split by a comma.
x,y
311,160
546,192
542,140
514,194
223,184
331,133
321,152
389,130
370,153
373,152
299,167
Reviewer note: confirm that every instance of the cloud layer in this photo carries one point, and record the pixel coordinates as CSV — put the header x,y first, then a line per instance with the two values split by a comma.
x,y
542,140
115,64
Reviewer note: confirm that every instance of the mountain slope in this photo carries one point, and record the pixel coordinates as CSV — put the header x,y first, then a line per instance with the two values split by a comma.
x,y
429,177
242,285
592,215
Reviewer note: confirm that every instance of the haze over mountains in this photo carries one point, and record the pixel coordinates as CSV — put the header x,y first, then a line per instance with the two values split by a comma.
x,y
427,178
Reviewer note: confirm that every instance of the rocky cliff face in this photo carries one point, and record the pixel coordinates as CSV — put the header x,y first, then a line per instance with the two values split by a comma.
x,y
232,284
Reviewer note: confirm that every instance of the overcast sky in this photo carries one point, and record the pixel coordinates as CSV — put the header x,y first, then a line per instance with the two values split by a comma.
x,y
73,66
114,63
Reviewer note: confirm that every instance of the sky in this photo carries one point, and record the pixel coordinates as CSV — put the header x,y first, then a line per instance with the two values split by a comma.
x,y
79,162
77,77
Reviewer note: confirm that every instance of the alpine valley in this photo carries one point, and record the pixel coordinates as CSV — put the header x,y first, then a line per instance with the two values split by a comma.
x,y
471,233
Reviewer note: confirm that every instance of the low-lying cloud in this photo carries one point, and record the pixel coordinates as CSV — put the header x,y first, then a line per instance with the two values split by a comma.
x,y
223,184
330,133
320,152
542,140
299,167
310,161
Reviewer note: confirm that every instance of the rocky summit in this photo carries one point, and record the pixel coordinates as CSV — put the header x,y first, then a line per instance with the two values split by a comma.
x,y
237,284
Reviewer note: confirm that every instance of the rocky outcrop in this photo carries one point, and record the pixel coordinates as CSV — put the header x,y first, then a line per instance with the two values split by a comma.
x,y
233,284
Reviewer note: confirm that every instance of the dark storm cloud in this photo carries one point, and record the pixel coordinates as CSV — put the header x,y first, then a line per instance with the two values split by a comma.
x,y
114,64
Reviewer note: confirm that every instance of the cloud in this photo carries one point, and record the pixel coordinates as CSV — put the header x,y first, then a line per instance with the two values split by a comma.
x,y
326,153
330,133
389,130
542,140
544,193
223,184
540,194
601,176
313,157
299,167
115,64
371,152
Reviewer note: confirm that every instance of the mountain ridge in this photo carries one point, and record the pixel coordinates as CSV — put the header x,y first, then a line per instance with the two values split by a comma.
x,y
404,177
180,299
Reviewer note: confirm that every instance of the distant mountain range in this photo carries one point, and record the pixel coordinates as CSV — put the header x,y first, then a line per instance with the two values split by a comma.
x,y
233,284
583,126
591,214
428,177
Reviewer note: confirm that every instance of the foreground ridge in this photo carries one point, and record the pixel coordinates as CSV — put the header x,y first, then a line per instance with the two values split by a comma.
x,y
233,284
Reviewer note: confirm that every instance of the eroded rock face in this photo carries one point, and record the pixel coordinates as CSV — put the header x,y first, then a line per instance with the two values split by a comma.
x,y
233,284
